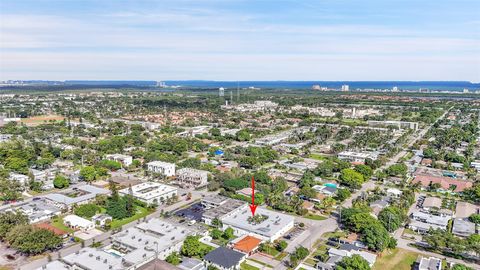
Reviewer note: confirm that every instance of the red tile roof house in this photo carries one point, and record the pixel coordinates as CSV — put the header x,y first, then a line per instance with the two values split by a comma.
x,y
446,183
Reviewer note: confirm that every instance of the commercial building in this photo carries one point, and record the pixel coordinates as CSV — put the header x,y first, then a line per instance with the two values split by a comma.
x,y
138,245
357,156
446,183
126,160
397,124
270,226
89,259
74,196
37,210
151,192
219,207
422,222
192,178
165,168
46,177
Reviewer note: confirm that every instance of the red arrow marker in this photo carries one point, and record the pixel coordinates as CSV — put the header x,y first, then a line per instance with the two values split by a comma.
x,y
253,207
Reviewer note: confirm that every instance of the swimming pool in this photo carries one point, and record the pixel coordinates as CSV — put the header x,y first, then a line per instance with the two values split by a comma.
x,y
331,185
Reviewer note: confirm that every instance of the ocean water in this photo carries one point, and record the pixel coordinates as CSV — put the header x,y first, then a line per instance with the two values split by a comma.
x,y
402,85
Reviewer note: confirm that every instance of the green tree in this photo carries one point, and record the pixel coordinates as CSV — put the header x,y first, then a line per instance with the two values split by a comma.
x,y
461,267
365,170
31,240
88,173
475,218
281,245
111,165
61,181
377,238
8,220
117,208
228,233
216,233
397,170
191,246
173,258
217,223
10,190
351,178
355,262
86,210
17,164
342,194
243,135
391,217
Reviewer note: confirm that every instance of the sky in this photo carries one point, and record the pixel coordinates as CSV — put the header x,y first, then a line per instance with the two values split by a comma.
x,y
363,40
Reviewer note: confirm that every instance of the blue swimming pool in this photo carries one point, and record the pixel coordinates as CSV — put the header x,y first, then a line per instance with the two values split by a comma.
x,y
332,185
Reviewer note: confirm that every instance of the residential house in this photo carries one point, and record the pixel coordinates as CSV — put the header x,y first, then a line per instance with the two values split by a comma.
x,y
164,168
463,227
225,258
78,223
126,160
192,178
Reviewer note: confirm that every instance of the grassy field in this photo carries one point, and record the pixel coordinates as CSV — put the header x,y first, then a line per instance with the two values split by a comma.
x,y
245,266
398,259
315,217
141,212
317,156
58,223
37,120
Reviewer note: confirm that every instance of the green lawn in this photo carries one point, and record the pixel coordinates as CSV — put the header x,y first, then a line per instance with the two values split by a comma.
x,y
315,217
281,256
336,234
317,156
310,262
58,223
245,266
141,212
271,251
398,259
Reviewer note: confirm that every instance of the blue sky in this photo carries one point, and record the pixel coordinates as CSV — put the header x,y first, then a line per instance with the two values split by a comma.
x,y
240,40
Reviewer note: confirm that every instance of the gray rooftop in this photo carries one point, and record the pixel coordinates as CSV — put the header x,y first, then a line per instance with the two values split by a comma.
x,y
224,257
94,259
463,227
90,193
228,206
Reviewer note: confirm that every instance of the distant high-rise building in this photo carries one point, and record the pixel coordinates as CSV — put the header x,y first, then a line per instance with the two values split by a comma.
x,y
316,87
465,90
395,89
221,92
161,84
345,88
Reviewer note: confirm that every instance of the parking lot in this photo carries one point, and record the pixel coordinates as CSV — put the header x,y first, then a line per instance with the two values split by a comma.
x,y
193,212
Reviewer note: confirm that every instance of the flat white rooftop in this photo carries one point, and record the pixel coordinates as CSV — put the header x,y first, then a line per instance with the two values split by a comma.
x,y
149,190
273,223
